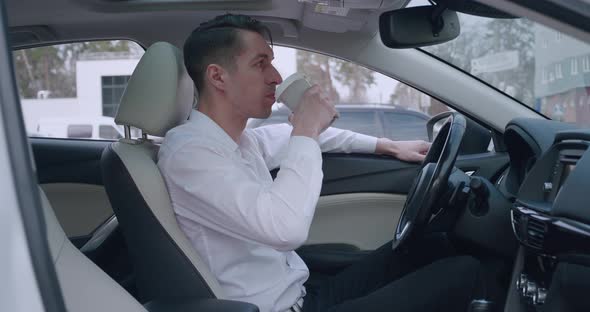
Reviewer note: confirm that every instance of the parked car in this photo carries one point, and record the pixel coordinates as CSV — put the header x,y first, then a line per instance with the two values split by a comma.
x,y
392,122
94,128
99,127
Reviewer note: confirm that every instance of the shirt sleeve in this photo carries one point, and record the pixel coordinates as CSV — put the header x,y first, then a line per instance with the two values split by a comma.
x,y
273,141
220,193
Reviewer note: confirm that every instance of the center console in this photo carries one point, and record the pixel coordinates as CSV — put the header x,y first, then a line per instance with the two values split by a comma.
x,y
551,220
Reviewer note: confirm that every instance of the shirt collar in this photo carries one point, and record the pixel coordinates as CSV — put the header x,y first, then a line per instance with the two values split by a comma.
x,y
210,128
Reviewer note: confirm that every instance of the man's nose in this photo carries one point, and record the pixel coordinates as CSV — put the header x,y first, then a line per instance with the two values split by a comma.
x,y
275,77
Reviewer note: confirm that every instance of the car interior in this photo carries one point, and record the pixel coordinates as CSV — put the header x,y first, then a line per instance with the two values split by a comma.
x,y
517,207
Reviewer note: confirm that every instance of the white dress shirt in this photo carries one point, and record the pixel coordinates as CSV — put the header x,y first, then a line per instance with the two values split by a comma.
x,y
243,224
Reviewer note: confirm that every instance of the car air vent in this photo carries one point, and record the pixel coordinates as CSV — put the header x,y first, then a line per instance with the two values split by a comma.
x,y
536,230
570,158
516,221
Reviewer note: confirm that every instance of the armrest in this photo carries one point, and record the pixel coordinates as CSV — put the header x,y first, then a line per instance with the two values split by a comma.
x,y
198,305
330,258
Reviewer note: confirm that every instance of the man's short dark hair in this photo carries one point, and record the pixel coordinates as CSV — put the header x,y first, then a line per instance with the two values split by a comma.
x,y
217,42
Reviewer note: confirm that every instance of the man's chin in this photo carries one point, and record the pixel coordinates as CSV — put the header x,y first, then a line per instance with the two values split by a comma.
x,y
266,113
264,110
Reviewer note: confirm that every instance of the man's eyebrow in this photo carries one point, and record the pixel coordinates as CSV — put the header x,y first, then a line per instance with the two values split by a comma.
x,y
264,56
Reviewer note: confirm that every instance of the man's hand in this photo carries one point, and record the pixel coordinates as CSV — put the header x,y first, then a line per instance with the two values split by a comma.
x,y
411,151
314,114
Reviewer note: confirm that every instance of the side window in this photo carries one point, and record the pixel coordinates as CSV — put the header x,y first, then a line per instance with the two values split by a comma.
x,y
364,122
405,126
80,131
368,102
69,89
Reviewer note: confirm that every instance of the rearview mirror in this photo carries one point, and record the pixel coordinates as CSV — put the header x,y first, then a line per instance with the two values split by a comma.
x,y
418,27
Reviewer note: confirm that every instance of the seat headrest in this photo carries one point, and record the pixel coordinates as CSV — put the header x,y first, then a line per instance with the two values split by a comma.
x,y
160,93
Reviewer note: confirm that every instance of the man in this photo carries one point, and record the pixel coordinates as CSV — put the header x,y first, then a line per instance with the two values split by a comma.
x,y
246,225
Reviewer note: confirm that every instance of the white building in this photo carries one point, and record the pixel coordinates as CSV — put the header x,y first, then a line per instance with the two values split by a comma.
x,y
100,81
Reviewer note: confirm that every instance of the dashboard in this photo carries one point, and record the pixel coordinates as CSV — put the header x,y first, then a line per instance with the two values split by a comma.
x,y
548,184
549,212
526,140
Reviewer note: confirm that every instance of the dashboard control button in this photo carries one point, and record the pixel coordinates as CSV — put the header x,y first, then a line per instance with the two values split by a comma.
x,y
547,187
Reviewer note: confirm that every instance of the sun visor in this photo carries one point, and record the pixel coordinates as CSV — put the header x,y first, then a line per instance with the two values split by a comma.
x,y
26,36
159,5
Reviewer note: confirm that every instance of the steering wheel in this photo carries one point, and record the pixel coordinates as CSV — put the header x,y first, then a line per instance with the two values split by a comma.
x,y
431,181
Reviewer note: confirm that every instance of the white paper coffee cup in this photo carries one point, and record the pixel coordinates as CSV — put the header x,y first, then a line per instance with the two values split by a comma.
x,y
291,90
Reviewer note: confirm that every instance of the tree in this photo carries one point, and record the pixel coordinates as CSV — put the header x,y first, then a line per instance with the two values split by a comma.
x,y
51,70
485,37
517,35
36,70
356,78
317,68
323,69
403,95
410,98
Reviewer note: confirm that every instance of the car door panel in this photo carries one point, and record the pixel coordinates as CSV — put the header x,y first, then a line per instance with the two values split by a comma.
x,y
67,160
355,173
80,208
361,200
362,220
69,172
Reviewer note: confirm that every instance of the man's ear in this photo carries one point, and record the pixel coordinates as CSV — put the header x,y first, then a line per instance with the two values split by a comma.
x,y
216,76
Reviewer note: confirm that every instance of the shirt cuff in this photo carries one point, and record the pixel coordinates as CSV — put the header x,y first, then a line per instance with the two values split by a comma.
x,y
365,144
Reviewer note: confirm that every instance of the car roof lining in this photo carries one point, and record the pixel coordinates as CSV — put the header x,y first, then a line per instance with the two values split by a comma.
x,y
172,21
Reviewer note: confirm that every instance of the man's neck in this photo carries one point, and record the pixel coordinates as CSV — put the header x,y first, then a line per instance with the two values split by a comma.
x,y
222,115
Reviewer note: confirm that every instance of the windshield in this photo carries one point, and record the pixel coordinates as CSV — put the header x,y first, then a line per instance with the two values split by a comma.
x,y
540,67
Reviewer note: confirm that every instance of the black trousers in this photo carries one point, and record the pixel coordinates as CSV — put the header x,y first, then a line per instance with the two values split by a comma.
x,y
428,277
